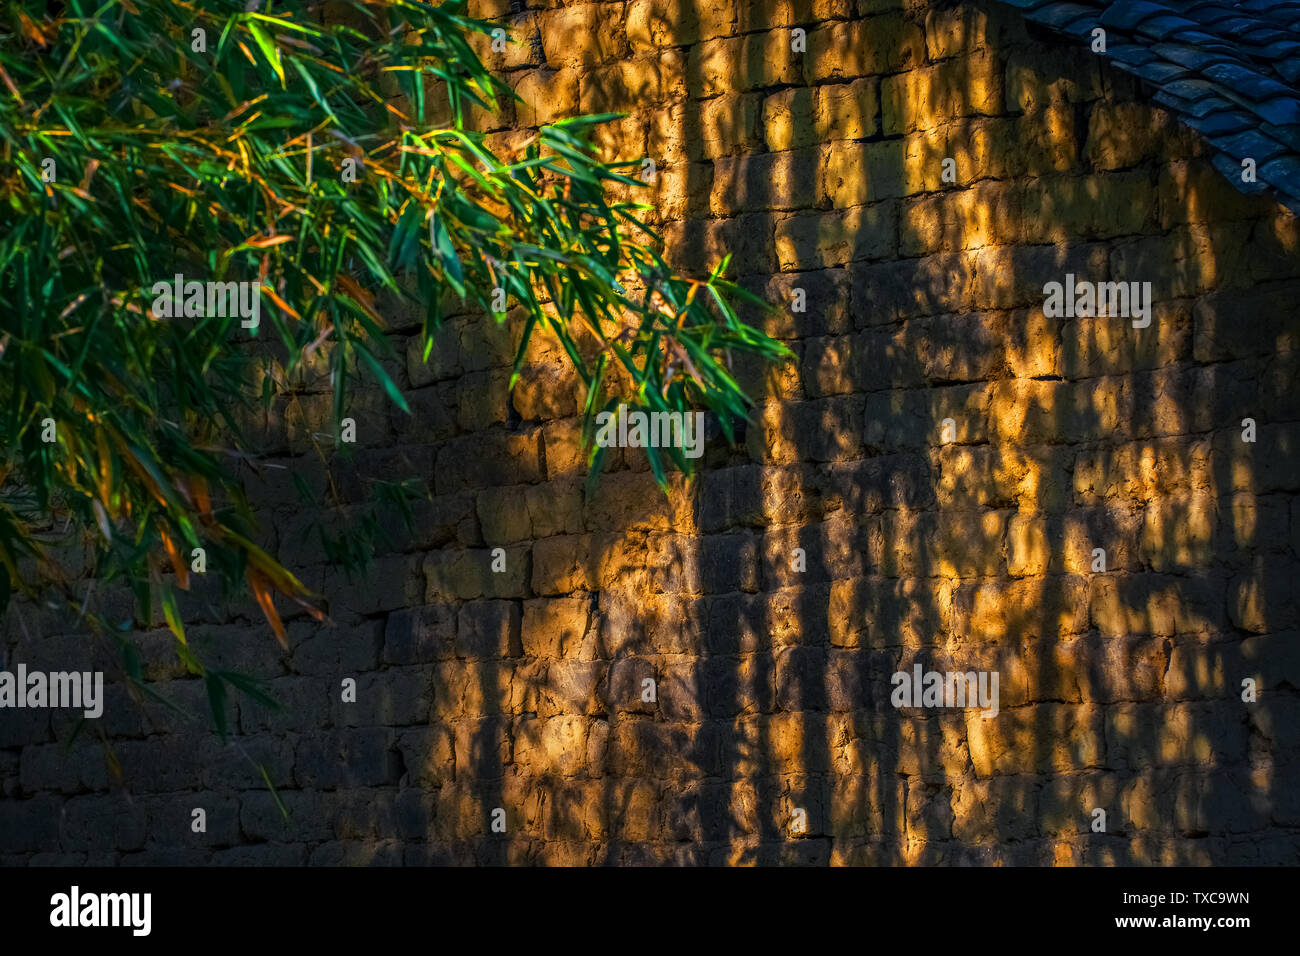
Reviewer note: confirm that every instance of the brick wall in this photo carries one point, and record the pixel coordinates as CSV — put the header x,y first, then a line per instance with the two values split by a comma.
x,y
971,549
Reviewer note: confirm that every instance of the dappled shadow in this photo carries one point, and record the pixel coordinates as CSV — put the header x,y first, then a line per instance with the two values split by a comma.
x,y
847,536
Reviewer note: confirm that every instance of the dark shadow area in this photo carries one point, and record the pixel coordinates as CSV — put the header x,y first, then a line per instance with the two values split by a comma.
x,y
926,484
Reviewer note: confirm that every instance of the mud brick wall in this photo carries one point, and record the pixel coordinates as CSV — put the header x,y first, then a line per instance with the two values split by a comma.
x,y
821,171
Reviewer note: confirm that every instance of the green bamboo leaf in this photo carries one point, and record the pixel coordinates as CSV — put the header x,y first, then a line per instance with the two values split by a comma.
x,y
451,262
172,614
250,686
268,48
390,387
217,702
275,794
175,161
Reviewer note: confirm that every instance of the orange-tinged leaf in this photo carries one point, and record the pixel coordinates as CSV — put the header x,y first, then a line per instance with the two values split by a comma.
x,y
142,473
8,81
114,765
316,613
269,569
360,296
300,44
267,604
72,306
275,575
89,174
267,241
200,488
174,554
243,106
105,475
284,306
31,29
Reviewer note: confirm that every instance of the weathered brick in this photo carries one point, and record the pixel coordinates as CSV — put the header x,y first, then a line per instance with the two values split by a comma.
x,y
870,47
652,24
987,214
546,96
954,32
765,181
488,629
1015,741
932,96
836,238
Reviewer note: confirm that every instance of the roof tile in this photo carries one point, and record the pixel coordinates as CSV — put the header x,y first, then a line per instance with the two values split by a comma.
x,y
1197,107
1283,134
1225,121
1285,169
1245,80
1236,26
1290,70
1160,72
1126,16
1062,15
1229,69
1191,89
1282,111
1158,28
1188,56
1130,53
1249,144
1231,169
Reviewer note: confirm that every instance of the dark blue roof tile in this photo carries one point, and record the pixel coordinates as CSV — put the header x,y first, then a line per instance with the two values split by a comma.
x,y
1191,89
1205,105
1229,69
1284,172
1266,35
1231,169
1282,111
1212,14
1129,53
1290,135
1188,56
1246,81
1199,38
1162,27
1126,16
1249,144
1280,49
1062,15
1236,26
1290,70
1160,72
1224,121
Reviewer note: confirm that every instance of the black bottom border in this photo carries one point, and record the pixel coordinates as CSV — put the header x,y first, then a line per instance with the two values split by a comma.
x,y
655,907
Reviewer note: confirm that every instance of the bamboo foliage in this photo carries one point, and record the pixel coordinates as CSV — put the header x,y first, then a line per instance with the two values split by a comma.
x,y
144,139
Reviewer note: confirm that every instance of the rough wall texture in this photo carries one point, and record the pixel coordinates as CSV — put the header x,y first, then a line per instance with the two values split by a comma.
x,y
967,550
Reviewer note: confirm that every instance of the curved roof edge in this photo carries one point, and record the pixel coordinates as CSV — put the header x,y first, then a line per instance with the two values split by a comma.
x,y
1229,70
